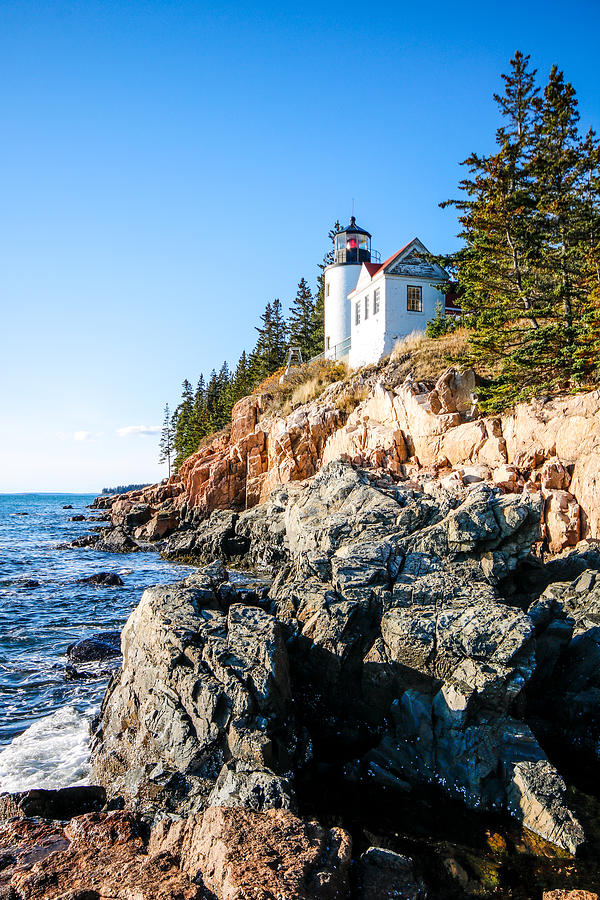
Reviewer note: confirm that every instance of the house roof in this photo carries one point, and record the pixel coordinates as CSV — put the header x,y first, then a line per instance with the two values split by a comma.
x,y
375,269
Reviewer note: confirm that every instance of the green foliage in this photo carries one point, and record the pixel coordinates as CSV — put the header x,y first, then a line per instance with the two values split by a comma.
x,y
271,347
441,323
530,218
301,320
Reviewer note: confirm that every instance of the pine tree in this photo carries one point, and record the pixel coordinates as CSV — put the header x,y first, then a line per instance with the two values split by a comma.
x,y
167,436
198,427
242,380
301,320
522,271
183,424
564,166
270,351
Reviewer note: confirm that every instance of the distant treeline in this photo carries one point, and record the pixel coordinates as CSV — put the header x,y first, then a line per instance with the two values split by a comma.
x,y
207,408
124,488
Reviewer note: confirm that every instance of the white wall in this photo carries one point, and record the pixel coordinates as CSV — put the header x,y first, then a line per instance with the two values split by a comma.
x,y
368,338
375,337
341,279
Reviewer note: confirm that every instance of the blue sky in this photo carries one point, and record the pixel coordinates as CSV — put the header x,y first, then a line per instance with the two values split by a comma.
x,y
168,167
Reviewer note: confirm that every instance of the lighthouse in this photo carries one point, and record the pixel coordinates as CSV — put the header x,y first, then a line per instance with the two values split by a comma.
x,y
352,248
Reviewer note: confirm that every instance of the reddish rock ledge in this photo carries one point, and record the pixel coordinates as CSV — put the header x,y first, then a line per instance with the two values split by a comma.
x,y
409,430
230,854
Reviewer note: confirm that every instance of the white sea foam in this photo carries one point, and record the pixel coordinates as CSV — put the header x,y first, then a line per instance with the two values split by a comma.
x,y
52,753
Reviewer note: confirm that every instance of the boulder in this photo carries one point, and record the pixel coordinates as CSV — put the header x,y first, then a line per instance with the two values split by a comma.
x,y
454,392
537,795
106,579
212,538
242,783
117,541
554,475
385,875
566,696
562,520
104,645
204,680
86,540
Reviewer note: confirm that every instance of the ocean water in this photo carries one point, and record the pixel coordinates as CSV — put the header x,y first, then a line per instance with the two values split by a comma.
x,y
44,717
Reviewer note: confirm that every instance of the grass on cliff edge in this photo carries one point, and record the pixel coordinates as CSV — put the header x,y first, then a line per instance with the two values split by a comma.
x,y
417,355
426,358
302,384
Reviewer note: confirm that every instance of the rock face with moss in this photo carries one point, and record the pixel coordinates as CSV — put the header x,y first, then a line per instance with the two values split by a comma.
x,y
384,630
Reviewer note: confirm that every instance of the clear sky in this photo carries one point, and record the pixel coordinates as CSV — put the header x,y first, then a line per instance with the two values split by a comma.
x,y
168,167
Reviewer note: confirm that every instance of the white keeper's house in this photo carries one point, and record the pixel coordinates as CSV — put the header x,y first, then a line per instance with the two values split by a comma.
x,y
369,305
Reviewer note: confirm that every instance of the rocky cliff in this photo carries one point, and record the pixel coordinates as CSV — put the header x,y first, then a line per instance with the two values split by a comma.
x,y
393,640
414,431
384,637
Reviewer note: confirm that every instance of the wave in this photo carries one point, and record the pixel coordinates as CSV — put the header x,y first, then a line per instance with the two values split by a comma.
x,y
52,753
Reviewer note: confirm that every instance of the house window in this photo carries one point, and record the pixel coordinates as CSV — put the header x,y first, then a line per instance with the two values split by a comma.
x,y
366,306
376,296
414,298
327,291
357,313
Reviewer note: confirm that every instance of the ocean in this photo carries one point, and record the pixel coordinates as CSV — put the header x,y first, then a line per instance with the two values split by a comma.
x,y
44,716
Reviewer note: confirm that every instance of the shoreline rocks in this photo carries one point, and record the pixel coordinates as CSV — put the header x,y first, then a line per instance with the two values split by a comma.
x,y
384,624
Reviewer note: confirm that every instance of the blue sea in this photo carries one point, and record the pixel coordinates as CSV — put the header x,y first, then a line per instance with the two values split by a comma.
x,y
44,717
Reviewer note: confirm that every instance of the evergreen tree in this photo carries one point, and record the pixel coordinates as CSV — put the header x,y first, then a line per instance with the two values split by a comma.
x,y
565,169
183,424
441,323
242,379
167,436
270,351
199,426
522,272
301,320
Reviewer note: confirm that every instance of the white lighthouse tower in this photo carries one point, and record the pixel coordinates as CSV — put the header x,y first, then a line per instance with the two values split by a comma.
x,y
352,249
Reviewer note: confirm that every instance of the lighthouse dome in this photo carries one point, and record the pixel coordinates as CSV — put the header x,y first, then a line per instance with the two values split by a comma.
x,y
352,244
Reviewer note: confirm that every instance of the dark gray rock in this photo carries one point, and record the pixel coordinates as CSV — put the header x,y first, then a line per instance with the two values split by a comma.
x,y
117,541
106,579
242,783
212,539
565,694
204,680
48,804
385,875
139,514
86,540
105,645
